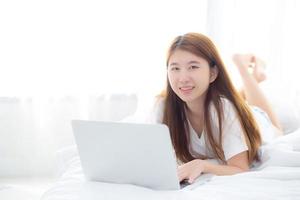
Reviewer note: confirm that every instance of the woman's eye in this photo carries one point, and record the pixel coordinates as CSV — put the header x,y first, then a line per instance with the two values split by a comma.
x,y
194,67
175,68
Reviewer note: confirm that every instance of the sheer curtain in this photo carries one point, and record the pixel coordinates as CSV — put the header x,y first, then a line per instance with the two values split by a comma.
x,y
270,30
78,47
63,60
267,28
33,129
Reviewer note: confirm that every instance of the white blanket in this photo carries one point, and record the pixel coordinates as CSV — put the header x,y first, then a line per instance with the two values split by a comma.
x,y
278,177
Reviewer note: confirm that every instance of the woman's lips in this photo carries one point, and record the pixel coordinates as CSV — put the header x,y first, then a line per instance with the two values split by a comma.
x,y
186,90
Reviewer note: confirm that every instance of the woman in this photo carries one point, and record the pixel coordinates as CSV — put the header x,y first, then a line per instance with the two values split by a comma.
x,y
207,117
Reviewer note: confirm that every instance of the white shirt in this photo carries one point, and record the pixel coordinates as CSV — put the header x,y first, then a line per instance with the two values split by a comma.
x,y
233,140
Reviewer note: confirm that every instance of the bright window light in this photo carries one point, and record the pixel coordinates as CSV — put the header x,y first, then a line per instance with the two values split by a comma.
x,y
88,47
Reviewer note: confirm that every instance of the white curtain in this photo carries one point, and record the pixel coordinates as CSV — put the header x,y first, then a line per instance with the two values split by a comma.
x,y
63,60
64,47
105,60
34,129
268,28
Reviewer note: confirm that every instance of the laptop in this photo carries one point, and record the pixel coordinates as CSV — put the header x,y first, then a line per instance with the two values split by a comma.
x,y
127,153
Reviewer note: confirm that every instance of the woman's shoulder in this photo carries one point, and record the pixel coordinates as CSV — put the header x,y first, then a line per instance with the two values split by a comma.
x,y
159,101
226,105
228,113
226,102
156,113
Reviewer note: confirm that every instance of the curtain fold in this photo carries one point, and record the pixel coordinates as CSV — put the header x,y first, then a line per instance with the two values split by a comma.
x,y
33,129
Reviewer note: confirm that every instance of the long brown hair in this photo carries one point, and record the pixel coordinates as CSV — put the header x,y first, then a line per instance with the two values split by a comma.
x,y
174,115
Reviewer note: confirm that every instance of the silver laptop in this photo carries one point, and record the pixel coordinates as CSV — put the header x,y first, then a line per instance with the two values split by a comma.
x,y
117,152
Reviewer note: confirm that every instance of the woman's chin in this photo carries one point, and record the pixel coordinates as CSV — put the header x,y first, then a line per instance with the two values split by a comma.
x,y
186,99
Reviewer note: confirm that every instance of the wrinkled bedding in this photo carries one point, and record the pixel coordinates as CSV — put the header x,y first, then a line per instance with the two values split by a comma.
x,y
15,192
276,177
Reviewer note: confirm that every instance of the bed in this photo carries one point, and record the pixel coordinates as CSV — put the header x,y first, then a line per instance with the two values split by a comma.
x,y
23,188
276,177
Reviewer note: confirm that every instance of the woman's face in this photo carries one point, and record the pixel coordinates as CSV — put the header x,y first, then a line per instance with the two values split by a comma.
x,y
189,75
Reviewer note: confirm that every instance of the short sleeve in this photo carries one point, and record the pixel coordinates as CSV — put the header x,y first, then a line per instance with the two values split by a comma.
x,y
156,114
233,135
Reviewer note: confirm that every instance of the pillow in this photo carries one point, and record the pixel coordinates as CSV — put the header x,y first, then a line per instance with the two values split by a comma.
x,y
284,98
283,151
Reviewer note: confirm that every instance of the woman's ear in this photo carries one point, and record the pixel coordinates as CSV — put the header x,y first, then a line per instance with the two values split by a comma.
x,y
213,73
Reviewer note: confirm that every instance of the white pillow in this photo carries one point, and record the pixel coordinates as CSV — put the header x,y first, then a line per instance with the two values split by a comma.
x,y
285,101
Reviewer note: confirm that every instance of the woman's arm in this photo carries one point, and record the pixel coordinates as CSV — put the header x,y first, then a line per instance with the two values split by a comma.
x,y
191,170
236,164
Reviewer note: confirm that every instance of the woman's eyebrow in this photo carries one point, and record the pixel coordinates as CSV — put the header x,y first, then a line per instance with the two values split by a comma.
x,y
193,62
173,64
190,62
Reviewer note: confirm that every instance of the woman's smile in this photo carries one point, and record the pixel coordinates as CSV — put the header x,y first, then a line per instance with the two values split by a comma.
x,y
186,89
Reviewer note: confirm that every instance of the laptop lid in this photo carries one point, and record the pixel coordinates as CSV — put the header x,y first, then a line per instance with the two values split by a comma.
x,y
139,154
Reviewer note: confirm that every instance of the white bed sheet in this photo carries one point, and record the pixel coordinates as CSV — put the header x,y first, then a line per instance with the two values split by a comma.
x,y
24,188
14,193
278,177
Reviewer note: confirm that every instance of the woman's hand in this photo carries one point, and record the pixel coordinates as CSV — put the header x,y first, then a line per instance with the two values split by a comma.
x,y
191,170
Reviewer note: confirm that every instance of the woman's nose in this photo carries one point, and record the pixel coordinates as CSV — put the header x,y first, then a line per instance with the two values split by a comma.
x,y
184,76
